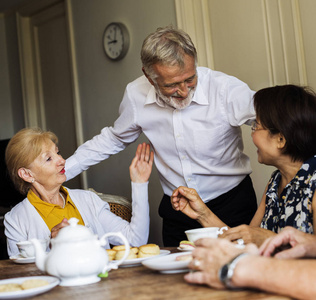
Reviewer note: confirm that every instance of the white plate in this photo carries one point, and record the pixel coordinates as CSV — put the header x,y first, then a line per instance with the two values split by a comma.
x,y
53,281
185,250
18,259
168,264
138,261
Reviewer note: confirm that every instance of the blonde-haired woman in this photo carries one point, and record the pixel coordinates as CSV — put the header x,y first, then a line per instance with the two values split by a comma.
x,y
37,170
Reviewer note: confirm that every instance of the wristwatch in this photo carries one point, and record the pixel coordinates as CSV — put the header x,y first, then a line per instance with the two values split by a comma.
x,y
226,272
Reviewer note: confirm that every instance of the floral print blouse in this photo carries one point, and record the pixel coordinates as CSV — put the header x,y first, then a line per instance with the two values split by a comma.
x,y
294,207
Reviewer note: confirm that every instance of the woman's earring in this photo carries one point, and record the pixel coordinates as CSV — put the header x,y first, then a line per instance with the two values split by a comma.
x,y
32,180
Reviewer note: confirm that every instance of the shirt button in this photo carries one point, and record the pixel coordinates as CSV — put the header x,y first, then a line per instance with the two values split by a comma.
x,y
189,179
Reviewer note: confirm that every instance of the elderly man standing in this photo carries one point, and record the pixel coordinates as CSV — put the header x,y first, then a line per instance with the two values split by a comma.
x,y
191,116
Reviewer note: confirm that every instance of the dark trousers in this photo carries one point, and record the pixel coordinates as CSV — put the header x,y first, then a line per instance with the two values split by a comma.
x,y
235,207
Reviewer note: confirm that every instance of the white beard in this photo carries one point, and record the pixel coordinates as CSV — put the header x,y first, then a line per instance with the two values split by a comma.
x,y
173,102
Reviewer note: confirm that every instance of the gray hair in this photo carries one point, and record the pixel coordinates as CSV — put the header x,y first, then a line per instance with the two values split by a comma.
x,y
167,46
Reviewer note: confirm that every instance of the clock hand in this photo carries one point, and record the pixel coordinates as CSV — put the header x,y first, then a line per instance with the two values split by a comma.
x,y
111,42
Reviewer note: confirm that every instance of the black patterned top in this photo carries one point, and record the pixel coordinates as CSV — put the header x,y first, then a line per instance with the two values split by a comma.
x,y
294,207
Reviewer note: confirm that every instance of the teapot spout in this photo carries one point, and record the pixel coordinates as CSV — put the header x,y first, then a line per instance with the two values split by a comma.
x,y
40,254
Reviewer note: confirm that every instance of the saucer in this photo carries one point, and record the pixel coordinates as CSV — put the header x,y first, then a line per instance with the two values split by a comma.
x,y
168,264
185,250
138,261
18,259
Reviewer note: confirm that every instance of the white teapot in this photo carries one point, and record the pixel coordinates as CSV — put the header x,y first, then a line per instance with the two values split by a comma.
x,y
77,255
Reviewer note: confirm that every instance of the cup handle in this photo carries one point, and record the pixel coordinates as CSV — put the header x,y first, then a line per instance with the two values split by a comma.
x,y
114,265
221,230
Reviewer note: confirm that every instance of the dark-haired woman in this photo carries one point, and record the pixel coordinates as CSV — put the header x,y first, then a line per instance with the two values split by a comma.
x,y
285,135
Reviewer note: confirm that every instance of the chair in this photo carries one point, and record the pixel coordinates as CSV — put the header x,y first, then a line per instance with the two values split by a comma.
x,y
9,197
119,205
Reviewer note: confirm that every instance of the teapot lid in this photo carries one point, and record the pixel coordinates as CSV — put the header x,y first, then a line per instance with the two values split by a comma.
x,y
74,232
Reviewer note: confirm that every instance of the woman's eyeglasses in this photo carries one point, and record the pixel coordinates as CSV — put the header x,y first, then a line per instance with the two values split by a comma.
x,y
255,126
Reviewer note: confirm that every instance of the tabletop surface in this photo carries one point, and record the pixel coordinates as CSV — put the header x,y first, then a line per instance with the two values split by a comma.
x,y
136,282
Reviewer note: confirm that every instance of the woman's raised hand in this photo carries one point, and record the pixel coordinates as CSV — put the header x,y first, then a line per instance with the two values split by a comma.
x,y
141,166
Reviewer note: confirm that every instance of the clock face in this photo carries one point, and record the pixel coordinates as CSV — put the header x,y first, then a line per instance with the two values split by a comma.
x,y
116,41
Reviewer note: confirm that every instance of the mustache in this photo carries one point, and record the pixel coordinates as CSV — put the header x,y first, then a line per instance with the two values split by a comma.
x,y
175,94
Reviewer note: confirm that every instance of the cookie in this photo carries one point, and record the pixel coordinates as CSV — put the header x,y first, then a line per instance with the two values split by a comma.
x,y
33,283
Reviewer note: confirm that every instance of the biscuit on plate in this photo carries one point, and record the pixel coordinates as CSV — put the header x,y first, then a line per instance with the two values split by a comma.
x,y
148,250
111,253
120,254
119,248
186,245
33,283
10,287
134,249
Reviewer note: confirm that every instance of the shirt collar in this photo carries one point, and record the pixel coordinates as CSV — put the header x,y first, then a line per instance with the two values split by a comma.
x,y
43,207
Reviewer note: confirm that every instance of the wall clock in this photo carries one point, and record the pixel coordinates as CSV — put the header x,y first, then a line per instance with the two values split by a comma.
x,y
116,40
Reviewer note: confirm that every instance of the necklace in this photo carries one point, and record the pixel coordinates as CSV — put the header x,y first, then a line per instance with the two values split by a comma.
x,y
61,195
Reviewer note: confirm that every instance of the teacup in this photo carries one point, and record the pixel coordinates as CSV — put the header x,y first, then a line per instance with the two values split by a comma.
x,y
27,249
206,232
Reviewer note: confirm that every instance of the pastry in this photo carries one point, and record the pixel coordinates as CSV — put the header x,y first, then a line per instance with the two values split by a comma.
x,y
120,254
135,250
111,254
10,287
186,245
119,248
148,250
33,283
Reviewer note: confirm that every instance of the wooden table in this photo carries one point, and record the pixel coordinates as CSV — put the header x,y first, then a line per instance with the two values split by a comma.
x,y
132,283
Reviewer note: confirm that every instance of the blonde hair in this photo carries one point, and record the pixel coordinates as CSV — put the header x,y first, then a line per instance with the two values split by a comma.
x,y
23,148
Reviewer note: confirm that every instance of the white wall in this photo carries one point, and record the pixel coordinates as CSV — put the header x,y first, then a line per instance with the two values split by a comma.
x,y
6,131
11,107
240,49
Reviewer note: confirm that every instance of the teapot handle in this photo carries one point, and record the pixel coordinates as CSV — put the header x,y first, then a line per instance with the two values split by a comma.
x,y
114,265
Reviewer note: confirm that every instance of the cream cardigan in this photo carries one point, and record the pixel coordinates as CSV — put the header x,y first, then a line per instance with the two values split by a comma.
x,y
24,223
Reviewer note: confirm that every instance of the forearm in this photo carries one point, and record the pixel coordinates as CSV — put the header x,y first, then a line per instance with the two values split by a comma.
x,y
293,278
12,249
13,235
110,141
209,219
139,224
92,152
